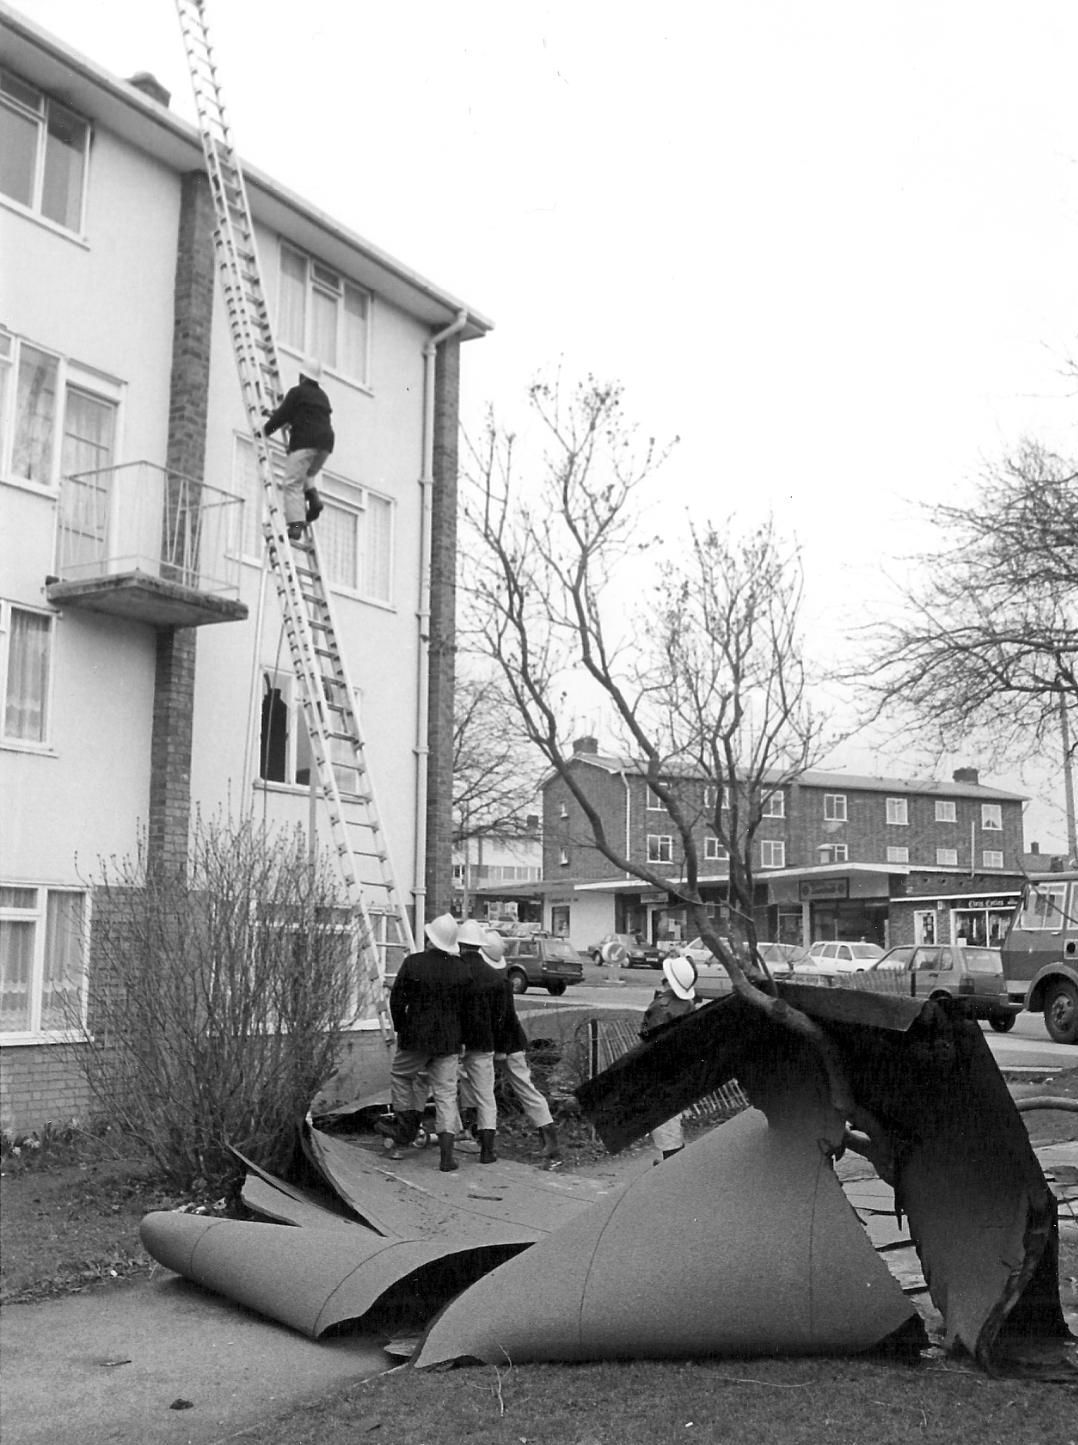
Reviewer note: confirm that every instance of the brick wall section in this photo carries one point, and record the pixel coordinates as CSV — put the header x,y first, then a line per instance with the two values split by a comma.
x,y
170,784
42,1084
443,632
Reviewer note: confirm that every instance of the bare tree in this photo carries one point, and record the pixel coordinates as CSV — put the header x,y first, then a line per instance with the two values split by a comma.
x,y
495,778
988,648
709,696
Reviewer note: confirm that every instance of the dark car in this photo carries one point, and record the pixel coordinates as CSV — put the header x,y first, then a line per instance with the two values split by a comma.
x,y
960,971
636,951
550,963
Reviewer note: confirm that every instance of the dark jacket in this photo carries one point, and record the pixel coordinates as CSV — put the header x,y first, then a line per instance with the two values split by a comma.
x,y
306,411
426,1002
489,1014
663,1007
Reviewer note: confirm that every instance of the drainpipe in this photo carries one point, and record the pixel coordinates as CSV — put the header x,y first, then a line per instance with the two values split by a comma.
x,y
426,482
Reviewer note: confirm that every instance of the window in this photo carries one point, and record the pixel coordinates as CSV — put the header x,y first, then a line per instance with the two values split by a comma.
x,y
840,852
898,811
43,148
945,812
57,420
320,314
774,806
714,852
356,533
25,661
947,857
284,748
772,854
654,803
563,857
992,858
563,811
42,973
1042,907
834,807
991,817
898,855
660,848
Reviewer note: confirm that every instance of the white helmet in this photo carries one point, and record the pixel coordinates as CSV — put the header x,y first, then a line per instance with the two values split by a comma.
x,y
681,976
472,933
311,369
493,950
442,932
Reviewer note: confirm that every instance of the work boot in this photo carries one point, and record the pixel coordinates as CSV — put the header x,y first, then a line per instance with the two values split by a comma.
x,y
551,1151
445,1143
486,1146
314,504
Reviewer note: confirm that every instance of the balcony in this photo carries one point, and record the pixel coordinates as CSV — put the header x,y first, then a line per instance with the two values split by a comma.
x,y
149,545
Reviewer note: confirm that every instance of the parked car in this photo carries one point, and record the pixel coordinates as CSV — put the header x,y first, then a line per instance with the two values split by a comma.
x,y
542,962
838,957
638,952
779,957
962,971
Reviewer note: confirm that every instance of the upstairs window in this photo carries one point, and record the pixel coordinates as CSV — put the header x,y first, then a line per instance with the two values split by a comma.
x,y
320,314
991,858
991,817
284,748
945,812
660,848
43,149
898,855
356,532
772,854
774,806
834,807
714,852
898,811
25,664
947,857
654,803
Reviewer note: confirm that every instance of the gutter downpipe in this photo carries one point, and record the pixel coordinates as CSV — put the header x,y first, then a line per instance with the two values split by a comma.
x,y
422,750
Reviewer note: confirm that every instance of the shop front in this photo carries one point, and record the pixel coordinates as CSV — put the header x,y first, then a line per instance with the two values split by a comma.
x,y
847,901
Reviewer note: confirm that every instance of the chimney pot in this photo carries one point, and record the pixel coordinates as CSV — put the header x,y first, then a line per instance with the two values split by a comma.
x,y
966,775
586,745
151,86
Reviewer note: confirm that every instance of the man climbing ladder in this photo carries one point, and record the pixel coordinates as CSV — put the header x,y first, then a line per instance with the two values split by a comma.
x,y
306,412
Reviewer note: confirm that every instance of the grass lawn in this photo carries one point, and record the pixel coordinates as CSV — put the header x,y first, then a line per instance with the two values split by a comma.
x,y
71,1211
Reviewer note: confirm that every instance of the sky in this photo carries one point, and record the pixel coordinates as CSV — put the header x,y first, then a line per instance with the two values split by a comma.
x,y
833,247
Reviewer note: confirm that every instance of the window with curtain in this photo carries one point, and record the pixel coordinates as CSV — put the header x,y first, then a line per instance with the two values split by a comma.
x,y
26,675
35,415
42,960
320,314
86,482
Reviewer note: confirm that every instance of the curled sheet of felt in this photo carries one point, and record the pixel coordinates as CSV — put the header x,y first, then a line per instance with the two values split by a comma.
x,y
741,1244
980,1211
312,1279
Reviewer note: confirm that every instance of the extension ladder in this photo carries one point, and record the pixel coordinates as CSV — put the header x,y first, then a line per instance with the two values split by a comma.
x,y
327,696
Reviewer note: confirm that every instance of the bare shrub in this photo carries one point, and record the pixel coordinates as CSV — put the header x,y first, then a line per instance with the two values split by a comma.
x,y
216,999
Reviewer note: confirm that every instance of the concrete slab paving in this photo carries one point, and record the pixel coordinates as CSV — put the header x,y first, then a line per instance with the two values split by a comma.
x,y
105,1367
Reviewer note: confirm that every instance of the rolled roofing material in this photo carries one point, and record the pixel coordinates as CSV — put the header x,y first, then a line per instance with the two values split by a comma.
x,y
312,1279
741,1244
979,1208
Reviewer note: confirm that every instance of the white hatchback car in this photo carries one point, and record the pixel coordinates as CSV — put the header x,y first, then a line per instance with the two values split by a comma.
x,y
834,956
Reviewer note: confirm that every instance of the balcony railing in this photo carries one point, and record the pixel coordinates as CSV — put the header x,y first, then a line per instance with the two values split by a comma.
x,y
142,518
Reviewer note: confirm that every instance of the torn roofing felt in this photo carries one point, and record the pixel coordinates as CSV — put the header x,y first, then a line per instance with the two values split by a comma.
x,y
741,1244
980,1211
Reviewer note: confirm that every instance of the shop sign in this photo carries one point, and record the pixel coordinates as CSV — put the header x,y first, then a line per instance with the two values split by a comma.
x,y
654,895
1007,903
812,888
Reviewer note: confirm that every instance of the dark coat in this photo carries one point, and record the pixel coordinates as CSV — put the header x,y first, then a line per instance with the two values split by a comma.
x,y
306,411
663,1007
489,1014
426,1002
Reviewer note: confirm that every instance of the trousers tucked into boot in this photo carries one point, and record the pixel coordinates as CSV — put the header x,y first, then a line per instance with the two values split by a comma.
x,y
401,1128
551,1151
445,1143
486,1146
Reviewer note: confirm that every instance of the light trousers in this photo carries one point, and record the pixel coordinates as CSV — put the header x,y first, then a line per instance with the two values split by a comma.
x,y
535,1106
477,1087
441,1070
669,1135
299,467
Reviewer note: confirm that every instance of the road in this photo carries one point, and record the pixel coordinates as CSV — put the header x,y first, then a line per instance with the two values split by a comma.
x,y
1027,1046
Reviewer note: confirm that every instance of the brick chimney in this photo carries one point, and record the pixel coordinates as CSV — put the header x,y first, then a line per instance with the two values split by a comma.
x,y
585,745
151,86
966,775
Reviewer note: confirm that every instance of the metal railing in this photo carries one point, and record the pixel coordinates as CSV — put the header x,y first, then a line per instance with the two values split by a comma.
x,y
139,517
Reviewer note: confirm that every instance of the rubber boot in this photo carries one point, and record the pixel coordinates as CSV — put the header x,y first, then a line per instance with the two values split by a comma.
x,y
486,1146
551,1151
445,1143
314,504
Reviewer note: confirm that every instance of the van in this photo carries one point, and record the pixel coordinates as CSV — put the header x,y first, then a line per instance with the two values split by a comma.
x,y
1040,952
